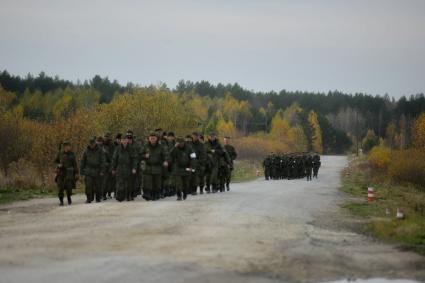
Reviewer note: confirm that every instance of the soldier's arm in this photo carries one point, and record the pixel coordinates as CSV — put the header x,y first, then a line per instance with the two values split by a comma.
x,y
114,160
235,154
83,163
103,163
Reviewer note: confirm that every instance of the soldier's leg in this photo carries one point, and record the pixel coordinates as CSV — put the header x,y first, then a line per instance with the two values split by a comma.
x,y
201,179
228,176
214,179
120,184
69,187
98,182
193,183
157,186
147,187
179,186
61,188
88,182
208,181
185,186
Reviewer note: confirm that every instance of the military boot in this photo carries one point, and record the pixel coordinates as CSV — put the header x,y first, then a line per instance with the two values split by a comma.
x,y
61,201
228,186
69,200
179,196
201,190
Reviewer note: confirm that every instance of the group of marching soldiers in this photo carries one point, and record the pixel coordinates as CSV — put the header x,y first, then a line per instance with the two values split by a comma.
x,y
291,166
159,166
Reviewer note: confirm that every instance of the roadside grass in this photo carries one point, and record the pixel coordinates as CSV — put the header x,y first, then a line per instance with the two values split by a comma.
x,y
8,195
245,170
408,233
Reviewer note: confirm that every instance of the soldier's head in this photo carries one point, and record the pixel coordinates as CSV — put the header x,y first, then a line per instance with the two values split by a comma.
x,y
92,143
107,137
180,142
153,138
129,137
226,140
118,138
99,141
201,138
212,136
188,138
195,136
171,137
66,145
124,140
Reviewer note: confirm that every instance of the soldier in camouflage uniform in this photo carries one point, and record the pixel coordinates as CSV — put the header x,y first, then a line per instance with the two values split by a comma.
x,y
232,156
124,163
267,163
215,152
155,157
184,161
108,149
201,157
169,181
92,166
66,166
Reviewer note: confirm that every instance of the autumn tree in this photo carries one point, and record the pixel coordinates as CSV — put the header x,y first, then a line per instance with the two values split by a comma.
x,y
419,132
316,142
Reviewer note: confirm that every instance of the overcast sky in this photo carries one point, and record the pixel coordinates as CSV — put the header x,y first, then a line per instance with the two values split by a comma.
x,y
372,46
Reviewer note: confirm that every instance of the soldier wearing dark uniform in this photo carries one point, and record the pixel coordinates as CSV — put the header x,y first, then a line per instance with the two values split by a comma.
x,y
92,167
108,149
308,167
232,156
124,163
316,165
169,185
200,155
155,157
184,161
215,152
267,167
66,166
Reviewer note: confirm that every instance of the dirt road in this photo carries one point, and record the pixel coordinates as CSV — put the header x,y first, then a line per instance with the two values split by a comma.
x,y
261,231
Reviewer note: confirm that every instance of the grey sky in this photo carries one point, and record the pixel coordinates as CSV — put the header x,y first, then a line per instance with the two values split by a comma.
x,y
373,46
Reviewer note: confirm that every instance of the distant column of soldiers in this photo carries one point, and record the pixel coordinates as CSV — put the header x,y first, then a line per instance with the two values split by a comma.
x,y
156,167
291,166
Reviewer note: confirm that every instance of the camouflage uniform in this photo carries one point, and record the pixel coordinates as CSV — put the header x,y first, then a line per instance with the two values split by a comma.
x,y
184,161
152,174
215,152
124,161
92,167
232,155
67,171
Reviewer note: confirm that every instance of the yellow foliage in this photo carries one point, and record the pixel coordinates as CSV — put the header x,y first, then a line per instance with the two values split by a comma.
x,y
419,132
226,128
317,143
408,166
380,156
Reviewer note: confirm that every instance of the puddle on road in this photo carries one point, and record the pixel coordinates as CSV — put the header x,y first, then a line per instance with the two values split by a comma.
x,y
375,280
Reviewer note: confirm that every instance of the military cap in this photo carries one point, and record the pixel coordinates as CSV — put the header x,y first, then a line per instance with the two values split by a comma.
x,y
118,136
153,134
92,141
180,140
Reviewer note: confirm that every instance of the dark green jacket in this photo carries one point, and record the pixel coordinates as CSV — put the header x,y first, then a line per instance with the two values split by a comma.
x,y
124,160
183,160
201,154
67,166
157,155
231,151
93,162
215,151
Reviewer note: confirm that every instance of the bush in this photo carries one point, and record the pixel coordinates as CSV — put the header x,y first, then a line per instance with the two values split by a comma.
x,y
380,157
408,166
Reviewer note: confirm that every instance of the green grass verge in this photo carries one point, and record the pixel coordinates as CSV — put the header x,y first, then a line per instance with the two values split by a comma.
x,y
409,232
245,170
8,195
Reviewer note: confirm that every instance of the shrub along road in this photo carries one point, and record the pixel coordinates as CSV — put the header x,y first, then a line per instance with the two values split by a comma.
x,y
260,231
